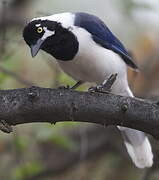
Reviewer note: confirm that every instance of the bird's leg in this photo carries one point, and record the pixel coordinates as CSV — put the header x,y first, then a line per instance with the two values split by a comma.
x,y
77,85
105,86
73,87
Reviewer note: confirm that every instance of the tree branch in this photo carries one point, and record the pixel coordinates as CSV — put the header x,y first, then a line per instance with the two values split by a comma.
x,y
37,104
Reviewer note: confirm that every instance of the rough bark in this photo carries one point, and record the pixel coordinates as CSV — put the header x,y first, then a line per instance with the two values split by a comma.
x,y
37,104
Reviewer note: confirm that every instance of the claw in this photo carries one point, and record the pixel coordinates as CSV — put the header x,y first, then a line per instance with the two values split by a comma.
x,y
73,87
105,86
64,87
99,89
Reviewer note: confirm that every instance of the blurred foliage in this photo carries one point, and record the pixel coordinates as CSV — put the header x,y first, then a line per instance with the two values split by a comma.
x,y
129,5
54,135
63,142
20,154
27,170
21,143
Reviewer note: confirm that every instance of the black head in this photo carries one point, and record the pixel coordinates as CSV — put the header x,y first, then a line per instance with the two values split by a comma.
x,y
51,37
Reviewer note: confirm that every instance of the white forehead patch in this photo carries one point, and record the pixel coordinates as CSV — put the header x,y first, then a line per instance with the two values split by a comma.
x,y
66,19
37,25
47,33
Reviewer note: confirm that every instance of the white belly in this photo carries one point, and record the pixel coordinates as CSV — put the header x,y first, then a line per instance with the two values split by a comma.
x,y
94,67
94,63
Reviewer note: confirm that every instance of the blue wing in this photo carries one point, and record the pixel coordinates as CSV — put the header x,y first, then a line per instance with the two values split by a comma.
x,y
103,36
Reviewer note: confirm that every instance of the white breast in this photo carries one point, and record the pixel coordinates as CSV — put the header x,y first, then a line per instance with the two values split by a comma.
x,y
94,63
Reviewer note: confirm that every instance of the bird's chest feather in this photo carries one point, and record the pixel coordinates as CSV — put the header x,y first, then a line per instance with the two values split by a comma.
x,y
81,68
92,63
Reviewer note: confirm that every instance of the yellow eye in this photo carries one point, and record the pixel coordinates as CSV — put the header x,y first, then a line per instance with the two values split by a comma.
x,y
39,29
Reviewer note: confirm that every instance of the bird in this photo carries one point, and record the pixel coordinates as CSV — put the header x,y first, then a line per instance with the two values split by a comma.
x,y
87,50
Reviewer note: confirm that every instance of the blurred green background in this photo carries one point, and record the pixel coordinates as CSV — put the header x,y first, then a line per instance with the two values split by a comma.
x,y
68,151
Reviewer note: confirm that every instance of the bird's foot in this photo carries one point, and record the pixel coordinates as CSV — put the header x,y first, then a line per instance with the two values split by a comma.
x,y
71,87
64,87
104,87
5,127
98,88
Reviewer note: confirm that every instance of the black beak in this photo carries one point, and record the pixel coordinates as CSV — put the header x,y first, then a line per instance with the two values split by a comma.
x,y
35,48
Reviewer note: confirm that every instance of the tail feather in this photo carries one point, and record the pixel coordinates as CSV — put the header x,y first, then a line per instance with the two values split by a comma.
x,y
137,143
138,147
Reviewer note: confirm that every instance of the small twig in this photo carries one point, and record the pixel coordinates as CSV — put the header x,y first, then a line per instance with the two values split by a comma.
x,y
5,127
